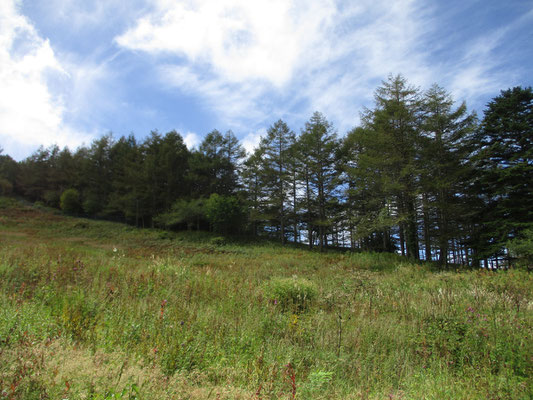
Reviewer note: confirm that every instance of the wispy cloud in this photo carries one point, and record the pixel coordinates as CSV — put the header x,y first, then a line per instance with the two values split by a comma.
x,y
480,72
253,62
250,60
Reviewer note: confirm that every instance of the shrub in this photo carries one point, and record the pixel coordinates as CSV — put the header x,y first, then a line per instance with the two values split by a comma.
x,y
6,202
5,186
225,213
291,293
522,249
217,241
183,212
70,201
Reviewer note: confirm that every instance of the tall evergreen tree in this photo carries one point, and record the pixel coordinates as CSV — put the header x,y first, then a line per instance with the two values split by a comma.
x,y
396,117
368,197
504,169
166,161
318,143
97,175
275,173
443,168
215,166
254,189
8,173
128,188
387,145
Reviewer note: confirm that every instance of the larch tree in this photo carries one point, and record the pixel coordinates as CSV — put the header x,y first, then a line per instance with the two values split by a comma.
x,y
504,165
318,143
390,137
443,167
275,168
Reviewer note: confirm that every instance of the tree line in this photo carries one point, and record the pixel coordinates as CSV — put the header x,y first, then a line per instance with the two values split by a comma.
x,y
420,176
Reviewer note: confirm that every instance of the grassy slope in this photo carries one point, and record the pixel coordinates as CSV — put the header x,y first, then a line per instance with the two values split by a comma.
x,y
91,308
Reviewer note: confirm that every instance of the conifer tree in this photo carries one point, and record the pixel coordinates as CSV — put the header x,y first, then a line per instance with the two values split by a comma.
x,y
318,143
443,167
388,151
504,169
275,173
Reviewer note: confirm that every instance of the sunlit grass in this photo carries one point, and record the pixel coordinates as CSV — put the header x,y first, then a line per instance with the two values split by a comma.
x,y
91,309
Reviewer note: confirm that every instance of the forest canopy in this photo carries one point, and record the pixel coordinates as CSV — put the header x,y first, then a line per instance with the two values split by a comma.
x,y
421,176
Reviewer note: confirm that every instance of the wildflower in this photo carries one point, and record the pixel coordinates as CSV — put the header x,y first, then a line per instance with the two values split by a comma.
x,y
163,304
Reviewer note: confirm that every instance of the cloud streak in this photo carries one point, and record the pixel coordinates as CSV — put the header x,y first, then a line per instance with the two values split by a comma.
x,y
250,61
253,62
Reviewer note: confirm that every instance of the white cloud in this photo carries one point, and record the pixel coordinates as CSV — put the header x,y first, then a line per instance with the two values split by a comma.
x,y
236,54
30,113
251,141
253,62
239,39
235,103
191,140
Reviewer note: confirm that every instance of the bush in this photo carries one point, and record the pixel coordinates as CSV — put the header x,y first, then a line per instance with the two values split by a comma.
x,y
522,249
217,241
224,213
291,293
6,202
183,212
70,201
5,186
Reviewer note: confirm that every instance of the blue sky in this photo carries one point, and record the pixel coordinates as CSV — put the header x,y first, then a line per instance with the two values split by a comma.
x,y
73,70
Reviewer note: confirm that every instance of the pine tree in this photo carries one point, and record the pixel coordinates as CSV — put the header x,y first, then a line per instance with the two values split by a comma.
x,y
254,189
443,166
387,158
504,169
318,143
215,167
275,173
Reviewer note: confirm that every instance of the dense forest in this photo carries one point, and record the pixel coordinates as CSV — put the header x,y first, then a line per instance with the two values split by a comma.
x,y
420,176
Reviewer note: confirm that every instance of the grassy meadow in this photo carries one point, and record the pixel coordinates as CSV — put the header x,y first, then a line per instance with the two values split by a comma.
x,y
99,310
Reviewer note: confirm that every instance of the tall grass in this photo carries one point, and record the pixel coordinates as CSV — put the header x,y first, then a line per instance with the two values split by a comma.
x,y
95,310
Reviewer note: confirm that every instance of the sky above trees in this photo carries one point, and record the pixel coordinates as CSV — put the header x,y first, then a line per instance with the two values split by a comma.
x,y
72,70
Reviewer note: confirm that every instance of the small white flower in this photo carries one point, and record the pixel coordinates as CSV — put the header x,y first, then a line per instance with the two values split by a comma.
x,y
115,249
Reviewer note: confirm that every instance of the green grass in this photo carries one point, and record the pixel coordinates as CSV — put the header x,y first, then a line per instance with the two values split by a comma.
x,y
98,310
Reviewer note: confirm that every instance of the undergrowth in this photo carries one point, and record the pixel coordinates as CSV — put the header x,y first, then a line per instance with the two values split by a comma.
x,y
98,310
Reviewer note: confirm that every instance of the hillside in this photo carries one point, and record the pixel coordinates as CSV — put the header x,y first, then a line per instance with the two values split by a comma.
x,y
99,310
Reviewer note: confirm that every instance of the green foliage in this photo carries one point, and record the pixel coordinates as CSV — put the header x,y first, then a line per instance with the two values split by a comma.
x,y
130,392
70,201
78,315
8,174
6,202
522,249
291,293
186,319
6,187
224,213
503,160
273,172
317,382
183,212
218,241
317,146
